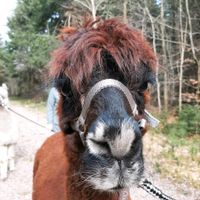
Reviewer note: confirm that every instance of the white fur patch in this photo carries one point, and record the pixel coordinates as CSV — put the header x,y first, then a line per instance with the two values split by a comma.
x,y
99,131
122,143
94,148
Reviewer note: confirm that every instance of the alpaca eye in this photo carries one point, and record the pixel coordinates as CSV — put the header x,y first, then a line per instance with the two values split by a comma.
x,y
101,144
143,87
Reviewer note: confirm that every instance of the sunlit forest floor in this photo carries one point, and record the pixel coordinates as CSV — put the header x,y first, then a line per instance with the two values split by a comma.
x,y
173,169
180,163
173,152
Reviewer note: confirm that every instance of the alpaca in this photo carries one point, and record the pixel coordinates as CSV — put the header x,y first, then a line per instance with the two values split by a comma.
x,y
102,74
8,135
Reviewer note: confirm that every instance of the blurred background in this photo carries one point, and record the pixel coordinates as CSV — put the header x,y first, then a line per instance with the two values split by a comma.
x,y
173,29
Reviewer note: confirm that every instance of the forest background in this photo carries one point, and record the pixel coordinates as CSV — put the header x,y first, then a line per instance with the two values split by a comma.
x,y
171,26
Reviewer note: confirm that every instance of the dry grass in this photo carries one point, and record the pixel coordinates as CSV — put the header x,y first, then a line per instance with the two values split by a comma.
x,y
177,162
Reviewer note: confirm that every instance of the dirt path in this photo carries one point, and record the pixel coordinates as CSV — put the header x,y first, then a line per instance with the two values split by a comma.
x,y
18,186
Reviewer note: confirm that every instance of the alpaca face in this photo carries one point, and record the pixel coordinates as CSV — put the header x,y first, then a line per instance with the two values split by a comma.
x,y
113,159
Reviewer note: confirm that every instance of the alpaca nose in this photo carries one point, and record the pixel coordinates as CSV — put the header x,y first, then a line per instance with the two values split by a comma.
x,y
121,164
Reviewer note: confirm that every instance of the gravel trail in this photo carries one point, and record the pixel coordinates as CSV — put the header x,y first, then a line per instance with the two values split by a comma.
x,y
18,185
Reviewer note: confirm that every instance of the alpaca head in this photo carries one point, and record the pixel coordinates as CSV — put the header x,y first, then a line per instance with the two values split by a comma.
x,y
112,157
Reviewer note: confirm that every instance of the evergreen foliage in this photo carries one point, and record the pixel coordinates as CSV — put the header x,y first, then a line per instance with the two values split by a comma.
x,y
35,24
187,123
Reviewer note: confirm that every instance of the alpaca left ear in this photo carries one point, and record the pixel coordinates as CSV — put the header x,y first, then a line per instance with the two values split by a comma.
x,y
64,120
69,106
151,78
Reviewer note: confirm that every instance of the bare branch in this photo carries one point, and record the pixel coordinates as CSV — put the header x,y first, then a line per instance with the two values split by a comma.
x,y
83,4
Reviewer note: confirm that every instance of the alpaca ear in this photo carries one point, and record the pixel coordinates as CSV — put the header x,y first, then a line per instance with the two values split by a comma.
x,y
152,78
69,106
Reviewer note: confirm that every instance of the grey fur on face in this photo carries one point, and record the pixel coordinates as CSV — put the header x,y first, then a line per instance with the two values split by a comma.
x,y
113,159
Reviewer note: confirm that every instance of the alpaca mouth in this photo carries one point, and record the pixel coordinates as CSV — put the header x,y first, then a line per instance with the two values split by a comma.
x,y
118,187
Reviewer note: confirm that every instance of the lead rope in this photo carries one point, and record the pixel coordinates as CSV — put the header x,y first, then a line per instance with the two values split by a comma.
x,y
154,191
148,187
28,119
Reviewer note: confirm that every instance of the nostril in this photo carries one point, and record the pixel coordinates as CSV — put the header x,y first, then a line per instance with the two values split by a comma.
x,y
119,163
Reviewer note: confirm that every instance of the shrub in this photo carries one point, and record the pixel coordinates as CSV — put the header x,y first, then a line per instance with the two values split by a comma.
x,y
187,123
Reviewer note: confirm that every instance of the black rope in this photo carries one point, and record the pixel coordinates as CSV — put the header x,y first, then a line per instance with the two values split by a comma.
x,y
154,191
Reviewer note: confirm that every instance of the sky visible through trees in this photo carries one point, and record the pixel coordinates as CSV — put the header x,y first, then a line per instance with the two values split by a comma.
x,y
171,26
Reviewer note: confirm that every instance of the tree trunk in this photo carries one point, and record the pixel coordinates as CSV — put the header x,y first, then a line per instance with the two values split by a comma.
x,y
69,20
155,50
93,9
164,57
125,11
182,48
198,86
193,48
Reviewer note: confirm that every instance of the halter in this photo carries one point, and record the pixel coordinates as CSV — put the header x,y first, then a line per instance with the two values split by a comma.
x,y
107,83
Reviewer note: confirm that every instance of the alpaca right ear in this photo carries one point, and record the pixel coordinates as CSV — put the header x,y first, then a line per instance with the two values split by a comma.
x,y
69,105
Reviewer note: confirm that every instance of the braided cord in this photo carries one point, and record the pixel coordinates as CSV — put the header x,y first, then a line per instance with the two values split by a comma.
x,y
154,191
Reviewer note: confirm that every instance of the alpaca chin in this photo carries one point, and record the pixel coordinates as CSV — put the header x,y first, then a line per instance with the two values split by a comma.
x,y
111,179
